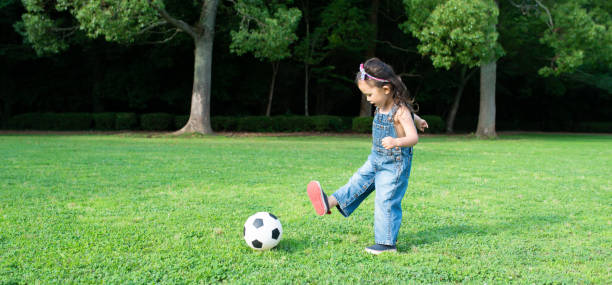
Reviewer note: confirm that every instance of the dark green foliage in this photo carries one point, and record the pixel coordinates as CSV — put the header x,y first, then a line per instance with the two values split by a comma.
x,y
593,127
298,124
156,121
51,121
325,123
222,123
104,121
73,121
105,76
436,124
28,121
278,124
347,122
255,124
283,123
126,121
180,121
362,124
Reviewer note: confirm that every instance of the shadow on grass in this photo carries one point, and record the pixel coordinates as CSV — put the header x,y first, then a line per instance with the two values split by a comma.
x,y
437,234
292,245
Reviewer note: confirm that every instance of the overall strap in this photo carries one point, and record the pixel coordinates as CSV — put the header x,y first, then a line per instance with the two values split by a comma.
x,y
392,112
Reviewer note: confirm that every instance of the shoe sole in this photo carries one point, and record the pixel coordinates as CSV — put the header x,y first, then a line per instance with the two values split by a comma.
x,y
316,197
377,252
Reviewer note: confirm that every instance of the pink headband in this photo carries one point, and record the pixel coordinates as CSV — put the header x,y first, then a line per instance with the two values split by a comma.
x,y
364,74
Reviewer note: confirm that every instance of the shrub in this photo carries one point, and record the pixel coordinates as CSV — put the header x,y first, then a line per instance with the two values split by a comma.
x,y
126,121
255,124
72,121
347,122
594,127
156,121
282,124
180,121
104,121
324,123
300,124
29,121
51,121
436,124
218,123
362,124
223,123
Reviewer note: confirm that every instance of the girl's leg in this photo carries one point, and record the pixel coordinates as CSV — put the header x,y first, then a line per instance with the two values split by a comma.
x,y
359,186
332,201
390,190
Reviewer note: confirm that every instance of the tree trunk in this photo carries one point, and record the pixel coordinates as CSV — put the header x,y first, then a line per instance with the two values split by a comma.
x,y
450,119
271,94
486,116
366,108
199,117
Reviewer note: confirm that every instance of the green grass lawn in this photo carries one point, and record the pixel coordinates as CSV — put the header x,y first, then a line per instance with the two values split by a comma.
x,y
130,209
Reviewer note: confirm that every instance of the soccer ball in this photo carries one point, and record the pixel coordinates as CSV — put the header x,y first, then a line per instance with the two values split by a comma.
x,y
262,231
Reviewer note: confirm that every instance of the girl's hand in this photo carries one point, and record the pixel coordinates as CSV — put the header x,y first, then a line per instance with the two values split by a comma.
x,y
389,143
422,124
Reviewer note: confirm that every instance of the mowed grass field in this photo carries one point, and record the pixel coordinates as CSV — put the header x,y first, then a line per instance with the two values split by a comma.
x,y
131,209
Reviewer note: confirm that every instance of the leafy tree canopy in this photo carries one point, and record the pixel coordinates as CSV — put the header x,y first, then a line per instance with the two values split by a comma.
x,y
580,34
454,31
48,29
266,30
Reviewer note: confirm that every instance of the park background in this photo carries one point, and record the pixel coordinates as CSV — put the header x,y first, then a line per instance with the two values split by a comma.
x,y
159,207
140,75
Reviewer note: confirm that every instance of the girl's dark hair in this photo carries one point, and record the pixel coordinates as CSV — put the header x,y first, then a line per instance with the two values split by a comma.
x,y
377,68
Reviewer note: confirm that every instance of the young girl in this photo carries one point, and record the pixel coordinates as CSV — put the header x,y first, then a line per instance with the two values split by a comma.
x,y
388,166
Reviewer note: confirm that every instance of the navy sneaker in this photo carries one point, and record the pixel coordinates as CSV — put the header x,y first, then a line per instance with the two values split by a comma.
x,y
380,248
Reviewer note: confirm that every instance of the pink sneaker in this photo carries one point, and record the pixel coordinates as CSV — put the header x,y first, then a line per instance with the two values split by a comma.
x,y
318,198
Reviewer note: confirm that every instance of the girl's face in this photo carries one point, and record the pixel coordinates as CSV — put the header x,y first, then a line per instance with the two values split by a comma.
x,y
377,96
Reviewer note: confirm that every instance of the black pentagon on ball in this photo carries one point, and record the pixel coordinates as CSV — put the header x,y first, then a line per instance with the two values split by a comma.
x,y
243,231
275,233
256,244
273,216
258,223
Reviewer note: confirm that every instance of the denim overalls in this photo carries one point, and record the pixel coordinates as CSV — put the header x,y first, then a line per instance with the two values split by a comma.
x,y
387,171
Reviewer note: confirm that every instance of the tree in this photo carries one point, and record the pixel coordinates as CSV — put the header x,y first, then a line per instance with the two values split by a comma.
x,y
460,32
340,25
127,21
579,33
10,52
266,30
306,49
465,32
365,109
464,77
